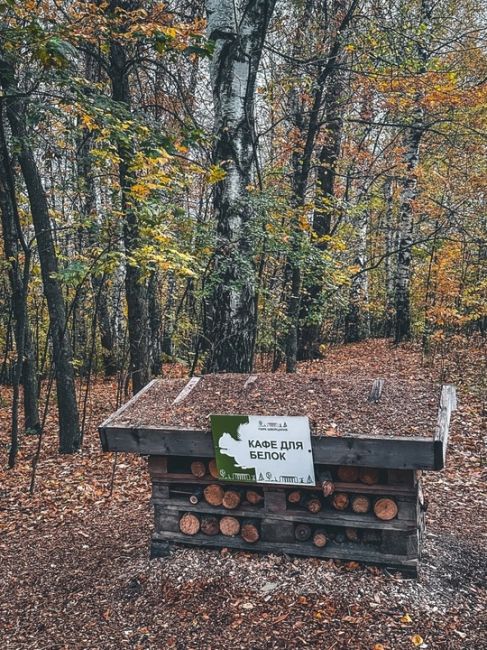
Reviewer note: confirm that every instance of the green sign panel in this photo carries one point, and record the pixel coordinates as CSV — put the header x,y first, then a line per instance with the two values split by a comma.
x,y
263,449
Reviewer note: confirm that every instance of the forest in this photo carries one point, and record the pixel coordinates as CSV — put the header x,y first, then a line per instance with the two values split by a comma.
x,y
229,186
269,204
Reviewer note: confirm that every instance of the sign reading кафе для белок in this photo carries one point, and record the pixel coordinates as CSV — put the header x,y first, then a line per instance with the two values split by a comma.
x,y
263,449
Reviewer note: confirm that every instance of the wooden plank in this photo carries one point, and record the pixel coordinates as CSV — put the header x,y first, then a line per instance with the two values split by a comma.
x,y
194,381
353,488
123,408
331,550
274,500
376,391
379,451
322,518
448,404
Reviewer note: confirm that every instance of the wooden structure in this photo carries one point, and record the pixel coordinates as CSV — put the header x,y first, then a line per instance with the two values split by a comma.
x,y
367,504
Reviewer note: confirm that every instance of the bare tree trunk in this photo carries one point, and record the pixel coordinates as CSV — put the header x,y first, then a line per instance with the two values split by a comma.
x,y
389,267
357,321
69,432
412,141
135,286
231,320
309,335
18,280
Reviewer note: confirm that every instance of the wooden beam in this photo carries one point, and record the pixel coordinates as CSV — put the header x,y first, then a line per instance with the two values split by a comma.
x,y
186,390
386,452
123,408
448,404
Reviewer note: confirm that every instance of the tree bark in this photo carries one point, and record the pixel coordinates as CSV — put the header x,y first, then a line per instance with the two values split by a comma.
x,y
135,287
412,141
14,246
231,314
69,431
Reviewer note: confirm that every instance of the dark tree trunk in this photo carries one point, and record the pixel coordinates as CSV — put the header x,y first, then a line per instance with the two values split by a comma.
x,y
135,286
69,432
231,314
310,331
13,245
155,324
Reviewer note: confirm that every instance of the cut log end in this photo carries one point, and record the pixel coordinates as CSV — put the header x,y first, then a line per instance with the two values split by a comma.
x,y
385,509
369,475
352,534
340,501
212,468
348,473
250,532
294,496
313,504
361,504
327,487
198,468
254,497
302,532
229,526
214,494
189,524
320,538
210,525
231,499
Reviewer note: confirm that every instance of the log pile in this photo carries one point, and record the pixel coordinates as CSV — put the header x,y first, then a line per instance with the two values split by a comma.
x,y
348,508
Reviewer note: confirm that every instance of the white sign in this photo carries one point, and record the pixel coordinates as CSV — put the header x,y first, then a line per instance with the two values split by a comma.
x,y
263,449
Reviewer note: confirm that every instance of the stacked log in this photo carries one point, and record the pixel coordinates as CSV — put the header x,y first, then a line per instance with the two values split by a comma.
x,y
360,504
231,499
214,494
385,509
320,538
198,468
229,526
189,524
340,501
249,531
210,525
254,497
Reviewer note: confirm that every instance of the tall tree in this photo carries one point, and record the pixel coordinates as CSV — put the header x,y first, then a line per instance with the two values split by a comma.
x,y
69,431
135,285
238,32
15,246
412,141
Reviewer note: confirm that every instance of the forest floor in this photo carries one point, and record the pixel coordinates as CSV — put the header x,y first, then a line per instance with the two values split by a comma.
x,y
75,572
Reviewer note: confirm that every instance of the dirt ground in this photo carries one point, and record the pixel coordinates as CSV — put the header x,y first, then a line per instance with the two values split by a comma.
x,y
75,572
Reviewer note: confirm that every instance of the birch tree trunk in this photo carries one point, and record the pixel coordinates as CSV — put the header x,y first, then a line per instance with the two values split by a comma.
x,y
412,141
238,31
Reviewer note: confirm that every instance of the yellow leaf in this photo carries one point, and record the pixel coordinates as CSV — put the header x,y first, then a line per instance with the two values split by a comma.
x,y
406,619
417,640
216,174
